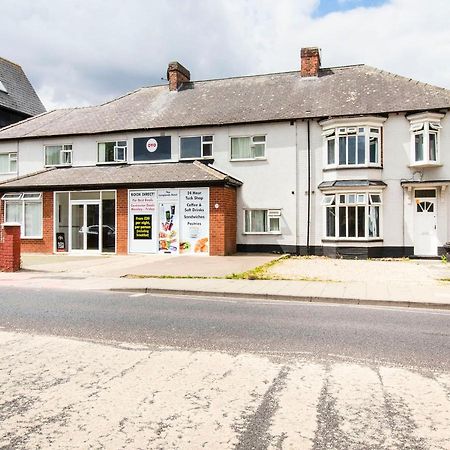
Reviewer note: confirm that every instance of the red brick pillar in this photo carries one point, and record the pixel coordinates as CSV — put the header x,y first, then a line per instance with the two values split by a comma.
x,y
122,221
10,247
222,220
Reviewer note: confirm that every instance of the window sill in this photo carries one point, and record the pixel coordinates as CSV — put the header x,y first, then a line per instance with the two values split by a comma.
x,y
111,163
8,173
248,159
265,233
25,238
425,164
352,166
200,158
336,240
57,165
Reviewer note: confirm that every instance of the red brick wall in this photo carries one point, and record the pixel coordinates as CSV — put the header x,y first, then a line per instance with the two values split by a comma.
x,y
222,220
10,249
44,245
122,221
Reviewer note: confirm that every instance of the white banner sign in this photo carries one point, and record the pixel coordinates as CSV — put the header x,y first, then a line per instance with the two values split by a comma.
x,y
194,205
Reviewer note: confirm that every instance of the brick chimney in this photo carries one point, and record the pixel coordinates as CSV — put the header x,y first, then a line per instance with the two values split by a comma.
x,y
177,74
310,62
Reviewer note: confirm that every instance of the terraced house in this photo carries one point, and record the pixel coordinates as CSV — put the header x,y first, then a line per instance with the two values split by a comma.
x,y
347,161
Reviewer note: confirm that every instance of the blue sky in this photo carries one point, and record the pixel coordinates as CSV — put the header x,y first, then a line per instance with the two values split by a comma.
x,y
328,6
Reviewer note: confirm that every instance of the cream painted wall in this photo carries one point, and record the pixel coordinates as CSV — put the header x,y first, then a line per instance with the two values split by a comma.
x,y
280,181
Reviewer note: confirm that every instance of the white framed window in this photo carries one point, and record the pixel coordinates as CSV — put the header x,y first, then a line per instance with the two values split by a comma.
x,y
353,146
112,152
25,208
353,215
248,147
196,147
425,130
8,162
58,155
262,221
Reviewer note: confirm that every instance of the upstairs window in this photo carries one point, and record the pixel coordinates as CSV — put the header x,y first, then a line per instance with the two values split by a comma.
x,y
248,147
112,152
354,215
353,146
58,155
425,141
8,163
196,147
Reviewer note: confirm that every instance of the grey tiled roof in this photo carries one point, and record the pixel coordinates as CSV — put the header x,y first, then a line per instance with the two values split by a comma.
x,y
21,95
149,175
340,91
350,183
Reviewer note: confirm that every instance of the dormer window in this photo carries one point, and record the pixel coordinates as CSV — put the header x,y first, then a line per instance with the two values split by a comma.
x,y
3,87
425,139
352,142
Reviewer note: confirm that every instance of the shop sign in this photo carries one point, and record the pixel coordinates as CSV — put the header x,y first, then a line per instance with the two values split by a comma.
x,y
141,217
194,205
154,148
168,201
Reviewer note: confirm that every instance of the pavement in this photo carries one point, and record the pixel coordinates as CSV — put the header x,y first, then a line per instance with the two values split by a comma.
x,y
406,283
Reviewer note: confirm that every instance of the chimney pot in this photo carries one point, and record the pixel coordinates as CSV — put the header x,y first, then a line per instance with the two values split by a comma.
x,y
310,61
177,74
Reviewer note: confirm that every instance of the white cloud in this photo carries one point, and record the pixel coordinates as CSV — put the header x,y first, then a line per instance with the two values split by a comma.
x,y
79,52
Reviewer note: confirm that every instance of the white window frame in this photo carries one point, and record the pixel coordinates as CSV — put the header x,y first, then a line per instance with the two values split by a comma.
x,y
270,214
353,198
424,124
203,143
335,128
12,156
66,149
117,148
24,198
252,144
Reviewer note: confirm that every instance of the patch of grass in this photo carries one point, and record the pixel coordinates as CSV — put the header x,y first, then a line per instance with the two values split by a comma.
x,y
172,277
257,273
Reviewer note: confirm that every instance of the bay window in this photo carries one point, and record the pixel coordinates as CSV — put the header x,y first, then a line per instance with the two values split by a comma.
x,y
352,215
196,147
425,129
260,221
111,152
8,162
248,147
353,146
58,155
25,208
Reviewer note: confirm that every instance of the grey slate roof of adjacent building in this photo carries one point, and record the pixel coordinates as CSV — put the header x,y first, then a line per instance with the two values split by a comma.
x,y
339,91
148,175
20,95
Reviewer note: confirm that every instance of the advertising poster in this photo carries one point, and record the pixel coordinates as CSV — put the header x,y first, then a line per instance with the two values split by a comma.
x,y
141,219
194,205
156,148
168,207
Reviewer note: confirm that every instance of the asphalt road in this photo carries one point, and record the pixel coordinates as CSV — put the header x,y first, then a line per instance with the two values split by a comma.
x,y
417,338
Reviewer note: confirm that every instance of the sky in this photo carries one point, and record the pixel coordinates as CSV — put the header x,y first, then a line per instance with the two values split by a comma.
x,y
83,52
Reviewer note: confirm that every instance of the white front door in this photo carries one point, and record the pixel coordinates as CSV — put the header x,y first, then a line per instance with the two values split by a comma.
x,y
425,224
